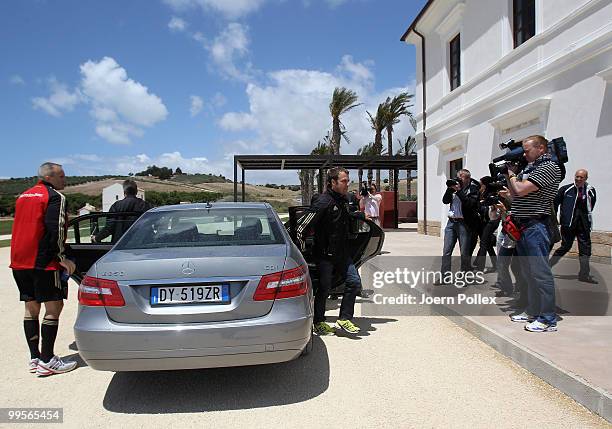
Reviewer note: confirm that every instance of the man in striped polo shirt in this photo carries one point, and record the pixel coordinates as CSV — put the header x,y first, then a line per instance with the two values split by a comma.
x,y
533,191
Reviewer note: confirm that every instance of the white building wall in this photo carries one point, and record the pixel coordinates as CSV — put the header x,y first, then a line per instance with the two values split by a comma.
x,y
558,83
110,195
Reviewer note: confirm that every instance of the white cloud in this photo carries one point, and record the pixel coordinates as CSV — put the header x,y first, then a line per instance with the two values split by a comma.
x,y
236,121
356,71
88,164
231,9
196,105
120,105
290,113
61,99
16,80
177,24
219,100
227,51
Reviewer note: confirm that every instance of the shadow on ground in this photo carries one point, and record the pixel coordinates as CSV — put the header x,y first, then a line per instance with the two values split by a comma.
x,y
220,389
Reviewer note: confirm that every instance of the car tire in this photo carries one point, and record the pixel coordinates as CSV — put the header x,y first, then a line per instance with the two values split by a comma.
x,y
308,349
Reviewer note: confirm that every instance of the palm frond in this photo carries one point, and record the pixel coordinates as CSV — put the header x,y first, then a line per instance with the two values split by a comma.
x,y
343,100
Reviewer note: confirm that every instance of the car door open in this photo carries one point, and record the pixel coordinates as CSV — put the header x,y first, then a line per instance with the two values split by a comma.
x,y
80,247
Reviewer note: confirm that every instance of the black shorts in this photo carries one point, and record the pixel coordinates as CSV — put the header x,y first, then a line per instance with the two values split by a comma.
x,y
40,285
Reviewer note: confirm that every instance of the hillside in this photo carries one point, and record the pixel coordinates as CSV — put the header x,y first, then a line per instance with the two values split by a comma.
x,y
152,184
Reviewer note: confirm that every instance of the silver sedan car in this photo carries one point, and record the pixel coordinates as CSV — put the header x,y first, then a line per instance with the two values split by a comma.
x,y
193,286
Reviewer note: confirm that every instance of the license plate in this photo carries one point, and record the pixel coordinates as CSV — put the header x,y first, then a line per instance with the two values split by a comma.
x,y
190,294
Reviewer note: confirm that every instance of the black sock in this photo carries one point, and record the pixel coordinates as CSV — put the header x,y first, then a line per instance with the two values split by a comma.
x,y
31,329
48,332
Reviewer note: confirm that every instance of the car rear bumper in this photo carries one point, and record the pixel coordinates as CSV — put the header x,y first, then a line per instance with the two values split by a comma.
x,y
110,346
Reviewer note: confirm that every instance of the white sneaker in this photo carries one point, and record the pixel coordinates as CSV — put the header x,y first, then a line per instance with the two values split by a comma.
x,y
32,365
537,326
55,366
522,317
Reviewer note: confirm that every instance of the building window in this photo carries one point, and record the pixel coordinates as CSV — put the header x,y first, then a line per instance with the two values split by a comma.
x,y
453,167
524,21
455,62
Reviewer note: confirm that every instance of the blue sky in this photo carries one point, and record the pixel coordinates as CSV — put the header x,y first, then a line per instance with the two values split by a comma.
x,y
109,87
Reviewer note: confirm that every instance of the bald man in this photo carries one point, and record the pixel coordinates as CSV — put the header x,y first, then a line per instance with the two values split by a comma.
x,y
577,201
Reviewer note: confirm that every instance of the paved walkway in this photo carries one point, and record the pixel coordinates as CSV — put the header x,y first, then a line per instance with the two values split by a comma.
x,y
576,359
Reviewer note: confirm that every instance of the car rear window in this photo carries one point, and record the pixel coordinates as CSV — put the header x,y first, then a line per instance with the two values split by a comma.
x,y
203,227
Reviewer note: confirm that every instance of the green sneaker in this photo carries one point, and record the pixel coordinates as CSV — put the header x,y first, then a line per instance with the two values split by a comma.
x,y
348,326
323,328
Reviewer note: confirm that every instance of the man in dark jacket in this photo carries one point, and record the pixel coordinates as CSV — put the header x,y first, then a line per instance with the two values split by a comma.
x,y
116,226
577,201
463,220
330,218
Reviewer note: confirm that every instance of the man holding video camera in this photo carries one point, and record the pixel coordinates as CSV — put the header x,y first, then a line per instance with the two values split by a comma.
x,y
533,191
463,219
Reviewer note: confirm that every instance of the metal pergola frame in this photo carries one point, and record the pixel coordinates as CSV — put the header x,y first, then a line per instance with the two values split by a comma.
x,y
322,162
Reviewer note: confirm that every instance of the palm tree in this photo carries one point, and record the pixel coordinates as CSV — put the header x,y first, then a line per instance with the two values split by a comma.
x,y
378,125
367,151
407,148
343,100
394,109
307,177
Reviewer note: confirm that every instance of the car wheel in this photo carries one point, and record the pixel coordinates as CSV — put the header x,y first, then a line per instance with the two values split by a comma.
x,y
308,349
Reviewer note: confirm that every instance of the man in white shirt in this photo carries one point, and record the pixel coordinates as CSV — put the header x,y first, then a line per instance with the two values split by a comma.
x,y
370,203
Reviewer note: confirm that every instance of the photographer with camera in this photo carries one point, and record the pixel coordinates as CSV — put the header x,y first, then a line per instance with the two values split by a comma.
x,y
488,196
463,220
577,201
370,202
506,252
533,191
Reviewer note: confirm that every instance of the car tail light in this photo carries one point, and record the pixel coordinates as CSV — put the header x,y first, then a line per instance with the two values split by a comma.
x,y
100,292
284,284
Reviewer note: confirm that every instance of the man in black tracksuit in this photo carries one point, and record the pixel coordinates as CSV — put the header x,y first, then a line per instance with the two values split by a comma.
x,y
577,201
116,226
330,218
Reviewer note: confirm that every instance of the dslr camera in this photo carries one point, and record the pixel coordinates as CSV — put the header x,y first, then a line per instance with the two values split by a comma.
x,y
364,191
452,182
514,156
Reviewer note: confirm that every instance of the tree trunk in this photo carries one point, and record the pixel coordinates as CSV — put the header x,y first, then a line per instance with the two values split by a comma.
x,y
377,151
408,183
306,186
360,176
390,153
336,136
370,175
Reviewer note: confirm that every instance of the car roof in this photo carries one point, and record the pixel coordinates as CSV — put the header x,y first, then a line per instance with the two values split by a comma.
x,y
207,206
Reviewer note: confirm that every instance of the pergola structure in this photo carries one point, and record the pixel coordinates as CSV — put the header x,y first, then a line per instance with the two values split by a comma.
x,y
321,163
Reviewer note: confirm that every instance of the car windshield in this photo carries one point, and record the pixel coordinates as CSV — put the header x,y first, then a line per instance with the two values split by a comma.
x,y
203,227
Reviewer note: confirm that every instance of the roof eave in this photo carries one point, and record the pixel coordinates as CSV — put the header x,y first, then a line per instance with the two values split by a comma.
x,y
416,20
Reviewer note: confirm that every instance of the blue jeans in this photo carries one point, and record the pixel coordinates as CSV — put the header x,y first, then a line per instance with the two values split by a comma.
x,y
352,286
532,249
456,230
